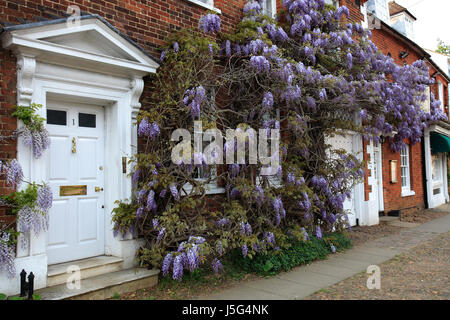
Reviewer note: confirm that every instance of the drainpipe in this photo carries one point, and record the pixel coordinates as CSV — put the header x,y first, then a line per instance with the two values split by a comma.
x,y
424,175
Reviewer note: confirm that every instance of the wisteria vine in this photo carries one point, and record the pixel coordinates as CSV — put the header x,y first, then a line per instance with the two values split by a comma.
x,y
308,74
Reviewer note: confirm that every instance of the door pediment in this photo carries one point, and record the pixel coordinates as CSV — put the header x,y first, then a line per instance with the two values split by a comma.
x,y
90,43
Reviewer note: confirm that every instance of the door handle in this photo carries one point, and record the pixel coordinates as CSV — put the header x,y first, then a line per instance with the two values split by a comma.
x,y
98,189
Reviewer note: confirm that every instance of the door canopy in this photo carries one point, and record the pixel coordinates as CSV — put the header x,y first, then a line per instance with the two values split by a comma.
x,y
91,43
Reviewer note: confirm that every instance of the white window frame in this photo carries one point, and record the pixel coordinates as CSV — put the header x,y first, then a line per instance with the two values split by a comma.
x,y
405,174
208,4
441,94
212,187
273,7
333,3
274,180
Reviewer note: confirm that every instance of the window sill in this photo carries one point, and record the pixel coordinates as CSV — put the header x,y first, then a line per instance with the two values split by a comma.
x,y
206,6
408,193
210,189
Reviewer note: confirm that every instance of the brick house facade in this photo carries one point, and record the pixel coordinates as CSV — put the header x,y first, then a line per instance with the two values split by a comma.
x,y
137,30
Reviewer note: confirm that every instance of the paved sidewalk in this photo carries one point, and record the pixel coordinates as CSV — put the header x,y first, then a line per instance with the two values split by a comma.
x,y
303,281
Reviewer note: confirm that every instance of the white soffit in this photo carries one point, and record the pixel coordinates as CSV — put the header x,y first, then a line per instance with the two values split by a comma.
x,y
90,44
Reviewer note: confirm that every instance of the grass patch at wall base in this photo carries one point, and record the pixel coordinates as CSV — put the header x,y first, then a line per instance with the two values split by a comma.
x,y
298,253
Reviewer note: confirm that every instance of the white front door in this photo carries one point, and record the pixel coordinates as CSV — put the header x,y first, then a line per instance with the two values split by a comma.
x,y
437,175
345,141
75,173
378,175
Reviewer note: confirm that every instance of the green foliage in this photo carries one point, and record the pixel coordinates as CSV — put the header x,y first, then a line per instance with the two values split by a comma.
x,y
28,115
443,48
298,253
22,198
124,216
3,296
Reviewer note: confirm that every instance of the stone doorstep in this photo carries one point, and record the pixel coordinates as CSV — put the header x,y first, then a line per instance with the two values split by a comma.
x,y
90,267
103,286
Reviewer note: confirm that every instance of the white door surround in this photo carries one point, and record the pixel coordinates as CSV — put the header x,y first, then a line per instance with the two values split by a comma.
x,y
437,181
378,174
86,64
352,144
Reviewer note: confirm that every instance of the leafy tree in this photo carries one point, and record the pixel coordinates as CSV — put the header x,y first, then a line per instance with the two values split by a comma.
x,y
443,48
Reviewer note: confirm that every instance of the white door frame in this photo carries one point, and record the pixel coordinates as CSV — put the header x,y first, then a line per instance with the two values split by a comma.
x,y
379,164
107,70
431,199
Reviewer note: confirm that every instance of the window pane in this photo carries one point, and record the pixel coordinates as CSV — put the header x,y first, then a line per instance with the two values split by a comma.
x,y
86,120
57,117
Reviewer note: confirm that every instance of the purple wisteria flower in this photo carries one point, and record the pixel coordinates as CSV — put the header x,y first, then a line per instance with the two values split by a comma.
x,y
174,191
211,49
197,97
140,212
148,129
222,222
7,255
176,47
260,63
163,55
155,223
44,198
318,232
14,174
161,234
267,102
209,23
216,265
252,8
168,259
244,250
349,60
333,249
178,268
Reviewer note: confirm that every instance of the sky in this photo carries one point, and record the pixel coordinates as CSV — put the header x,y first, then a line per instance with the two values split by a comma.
x,y
433,21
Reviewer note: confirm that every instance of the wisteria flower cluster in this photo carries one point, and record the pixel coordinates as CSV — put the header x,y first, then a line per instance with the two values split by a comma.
x,y
30,207
210,23
33,134
305,73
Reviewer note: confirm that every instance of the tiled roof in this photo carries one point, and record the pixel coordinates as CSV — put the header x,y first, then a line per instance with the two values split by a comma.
x,y
395,8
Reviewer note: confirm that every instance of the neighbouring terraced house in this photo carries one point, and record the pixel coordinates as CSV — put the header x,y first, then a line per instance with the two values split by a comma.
x,y
90,76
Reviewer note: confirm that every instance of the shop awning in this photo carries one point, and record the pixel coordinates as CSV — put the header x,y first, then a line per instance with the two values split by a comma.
x,y
439,142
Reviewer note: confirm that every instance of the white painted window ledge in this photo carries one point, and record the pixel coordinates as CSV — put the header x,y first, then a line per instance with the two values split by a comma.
x,y
206,5
210,189
408,193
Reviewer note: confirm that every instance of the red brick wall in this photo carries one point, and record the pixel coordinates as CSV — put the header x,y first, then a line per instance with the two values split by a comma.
x,y
392,191
148,22
434,88
8,148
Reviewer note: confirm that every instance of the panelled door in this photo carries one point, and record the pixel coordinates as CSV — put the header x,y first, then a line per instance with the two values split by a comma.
x,y
346,142
75,173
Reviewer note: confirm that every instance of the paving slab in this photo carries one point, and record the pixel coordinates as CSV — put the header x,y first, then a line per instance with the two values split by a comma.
x,y
306,277
403,224
243,292
285,288
302,281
